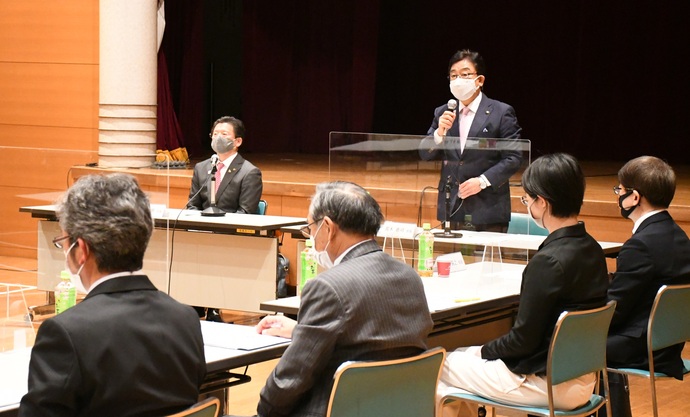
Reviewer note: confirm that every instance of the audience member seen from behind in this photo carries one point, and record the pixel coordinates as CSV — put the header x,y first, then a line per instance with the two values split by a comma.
x,y
238,184
366,305
127,349
658,253
478,178
568,272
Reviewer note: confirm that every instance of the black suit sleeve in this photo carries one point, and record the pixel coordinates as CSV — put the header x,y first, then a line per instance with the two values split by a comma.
x,y
250,192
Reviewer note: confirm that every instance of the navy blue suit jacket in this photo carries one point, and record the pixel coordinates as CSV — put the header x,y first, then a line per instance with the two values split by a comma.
x,y
657,254
493,120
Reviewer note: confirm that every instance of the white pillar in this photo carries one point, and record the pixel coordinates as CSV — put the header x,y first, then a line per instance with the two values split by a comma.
x,y
127,83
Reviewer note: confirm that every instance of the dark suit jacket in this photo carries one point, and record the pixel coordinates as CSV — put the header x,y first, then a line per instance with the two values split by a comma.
x,y
126,350
368,307
568,272
239,191
657,254
493,119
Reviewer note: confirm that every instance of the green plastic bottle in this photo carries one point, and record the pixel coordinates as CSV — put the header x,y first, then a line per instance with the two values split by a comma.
x,y
308,265
425,259
65,293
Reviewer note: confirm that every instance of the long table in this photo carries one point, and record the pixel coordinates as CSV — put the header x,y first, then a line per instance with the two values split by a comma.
x,y
243,347
470,307
225,262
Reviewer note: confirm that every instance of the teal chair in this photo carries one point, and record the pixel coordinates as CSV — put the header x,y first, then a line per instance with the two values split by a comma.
x,y
521,223
205,408
578,347
400,387
669,324
262,207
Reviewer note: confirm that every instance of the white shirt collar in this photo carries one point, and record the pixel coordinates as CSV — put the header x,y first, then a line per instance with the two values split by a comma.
x,y
643,218
346,251
112,276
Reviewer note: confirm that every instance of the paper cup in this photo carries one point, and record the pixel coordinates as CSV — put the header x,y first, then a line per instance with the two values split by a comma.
x,y
443,268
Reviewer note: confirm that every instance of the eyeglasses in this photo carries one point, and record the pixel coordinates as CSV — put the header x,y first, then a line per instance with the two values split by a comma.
x,y
524,201
306,232
617,189
464,75
58,239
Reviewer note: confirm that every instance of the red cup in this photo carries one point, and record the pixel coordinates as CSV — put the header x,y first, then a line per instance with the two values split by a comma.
x,y
443,268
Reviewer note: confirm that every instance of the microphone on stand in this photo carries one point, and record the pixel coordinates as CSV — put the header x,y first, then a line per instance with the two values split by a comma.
x,y
452,105
446,224
212,210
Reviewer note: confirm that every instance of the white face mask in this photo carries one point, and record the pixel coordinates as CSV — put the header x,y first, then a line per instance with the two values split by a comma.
x,y
75,278
463,88
321,257
222,144
539,222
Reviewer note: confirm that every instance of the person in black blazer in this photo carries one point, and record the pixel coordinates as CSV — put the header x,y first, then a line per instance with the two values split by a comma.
x,y
568,272
239,188
658,253
127,349
478,176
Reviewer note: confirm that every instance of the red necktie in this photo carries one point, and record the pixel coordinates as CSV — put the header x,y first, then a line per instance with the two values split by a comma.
x,y
218,176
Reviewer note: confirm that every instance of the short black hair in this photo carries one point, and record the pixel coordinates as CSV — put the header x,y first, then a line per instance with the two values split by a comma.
x,y
236,123
558,179
470,55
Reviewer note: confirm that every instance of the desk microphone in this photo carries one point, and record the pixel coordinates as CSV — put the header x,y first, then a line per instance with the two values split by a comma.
x,y
212,210
446,224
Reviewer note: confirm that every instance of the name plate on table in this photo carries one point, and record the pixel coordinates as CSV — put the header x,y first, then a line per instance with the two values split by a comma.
x,y
397,230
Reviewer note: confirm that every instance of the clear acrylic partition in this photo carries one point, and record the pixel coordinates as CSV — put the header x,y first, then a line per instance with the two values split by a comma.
x,y
30,264
404,178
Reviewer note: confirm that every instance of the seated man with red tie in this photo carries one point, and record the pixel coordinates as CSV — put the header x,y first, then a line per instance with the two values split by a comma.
x,y
238,183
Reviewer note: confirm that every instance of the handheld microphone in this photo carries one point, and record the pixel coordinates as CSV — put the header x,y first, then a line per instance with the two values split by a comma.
x,y
452,105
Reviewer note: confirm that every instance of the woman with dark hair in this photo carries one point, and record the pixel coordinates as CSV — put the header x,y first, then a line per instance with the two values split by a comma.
x,y
568,272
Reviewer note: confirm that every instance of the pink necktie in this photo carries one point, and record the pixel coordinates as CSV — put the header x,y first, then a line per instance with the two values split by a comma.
x,y
464,127
218,168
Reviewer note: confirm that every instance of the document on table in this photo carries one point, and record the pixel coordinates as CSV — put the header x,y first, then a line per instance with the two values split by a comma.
x,y
231,336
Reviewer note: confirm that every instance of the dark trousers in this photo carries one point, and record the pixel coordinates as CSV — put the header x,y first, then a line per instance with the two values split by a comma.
x,y
619,391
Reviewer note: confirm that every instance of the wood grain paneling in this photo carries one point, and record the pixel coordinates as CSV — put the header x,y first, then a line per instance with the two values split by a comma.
x,y
49,137
40,168
59,31
49,94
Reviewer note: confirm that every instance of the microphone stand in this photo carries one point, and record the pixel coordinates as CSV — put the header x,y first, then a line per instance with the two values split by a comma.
x,y
212,210
446,224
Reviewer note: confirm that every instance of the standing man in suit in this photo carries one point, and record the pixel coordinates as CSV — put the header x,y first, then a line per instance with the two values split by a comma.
x,y
478,178
240,185
365,306
658,253
127,349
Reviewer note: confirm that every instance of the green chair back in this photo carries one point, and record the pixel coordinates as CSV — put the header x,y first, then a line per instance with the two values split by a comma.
x,y
262,207
521,223
401,387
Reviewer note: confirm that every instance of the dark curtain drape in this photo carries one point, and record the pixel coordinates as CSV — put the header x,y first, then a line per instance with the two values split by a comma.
x,y
601,80
168,132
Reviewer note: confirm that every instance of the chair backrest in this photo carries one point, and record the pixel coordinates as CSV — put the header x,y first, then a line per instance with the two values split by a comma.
x,y
262,207
669,320
521,223
578,345
400,387
208,407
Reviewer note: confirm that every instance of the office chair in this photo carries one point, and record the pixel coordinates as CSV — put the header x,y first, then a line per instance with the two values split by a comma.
x,y
668,325
399,387
578,347
262,207
521,223
204,408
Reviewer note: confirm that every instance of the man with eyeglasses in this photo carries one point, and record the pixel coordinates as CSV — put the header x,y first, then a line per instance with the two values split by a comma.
x,y
658,253
478,178
238,184
366,305
127,349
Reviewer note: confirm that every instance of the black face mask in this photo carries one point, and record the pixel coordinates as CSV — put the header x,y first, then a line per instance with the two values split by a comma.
x,y
625,212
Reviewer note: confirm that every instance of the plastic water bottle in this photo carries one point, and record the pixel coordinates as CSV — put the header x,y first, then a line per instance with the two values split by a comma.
x,y
425,260
307,265
65,293
468,223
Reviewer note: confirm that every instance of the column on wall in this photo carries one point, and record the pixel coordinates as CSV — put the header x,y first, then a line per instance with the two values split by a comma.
x,y
127,83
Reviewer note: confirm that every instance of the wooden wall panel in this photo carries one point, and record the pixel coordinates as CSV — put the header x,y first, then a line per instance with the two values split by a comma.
x,y
18,231
40,168
59,31
55,138
49,94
